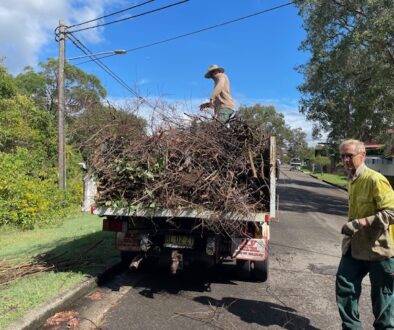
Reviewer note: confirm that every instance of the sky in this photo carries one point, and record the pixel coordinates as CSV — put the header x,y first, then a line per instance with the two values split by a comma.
x,y
259,54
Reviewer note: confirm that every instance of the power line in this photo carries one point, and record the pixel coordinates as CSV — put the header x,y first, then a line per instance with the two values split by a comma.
x,y
85,50
211,27
130,17
201,30
112,14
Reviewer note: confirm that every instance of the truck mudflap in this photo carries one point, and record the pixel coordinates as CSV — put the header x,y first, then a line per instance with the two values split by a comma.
x,y
250,249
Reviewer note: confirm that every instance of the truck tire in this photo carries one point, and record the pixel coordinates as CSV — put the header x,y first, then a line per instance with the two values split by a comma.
x,y
244,269
126,257
260,270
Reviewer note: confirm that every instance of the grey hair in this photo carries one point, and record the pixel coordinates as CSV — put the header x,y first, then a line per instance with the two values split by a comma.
x,y
360,147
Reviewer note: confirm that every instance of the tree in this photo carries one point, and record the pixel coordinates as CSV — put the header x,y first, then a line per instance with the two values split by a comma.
x,y
297,145
269,119
273,122
7,84
322,161
33,84
348,80
82,90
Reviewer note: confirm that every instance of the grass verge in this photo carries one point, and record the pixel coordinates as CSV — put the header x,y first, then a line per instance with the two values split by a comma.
x,y
65,255
339,180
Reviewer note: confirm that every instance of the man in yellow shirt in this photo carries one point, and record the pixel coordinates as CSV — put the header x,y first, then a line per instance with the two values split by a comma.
x,y
368,244
221,100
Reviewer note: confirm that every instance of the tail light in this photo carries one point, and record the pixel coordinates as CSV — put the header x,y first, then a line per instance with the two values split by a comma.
x,y
112,225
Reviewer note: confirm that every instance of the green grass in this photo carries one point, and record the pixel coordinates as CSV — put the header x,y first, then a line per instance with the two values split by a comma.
x,y
339,180
77,249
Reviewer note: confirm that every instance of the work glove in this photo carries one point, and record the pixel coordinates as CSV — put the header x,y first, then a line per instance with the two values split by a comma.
x,y
350,228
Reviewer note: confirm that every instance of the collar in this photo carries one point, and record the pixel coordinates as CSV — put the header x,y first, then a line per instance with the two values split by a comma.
x,y
359,171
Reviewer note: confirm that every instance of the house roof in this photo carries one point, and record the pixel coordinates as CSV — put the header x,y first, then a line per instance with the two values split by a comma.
x,y
373,145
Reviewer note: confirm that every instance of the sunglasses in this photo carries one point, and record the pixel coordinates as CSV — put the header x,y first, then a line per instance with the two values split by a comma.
x,y
349,156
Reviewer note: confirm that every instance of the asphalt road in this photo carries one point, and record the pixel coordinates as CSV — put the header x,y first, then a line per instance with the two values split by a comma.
x,y
299,294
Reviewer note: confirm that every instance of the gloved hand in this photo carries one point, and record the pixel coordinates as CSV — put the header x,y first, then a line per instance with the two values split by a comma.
x,y
350,228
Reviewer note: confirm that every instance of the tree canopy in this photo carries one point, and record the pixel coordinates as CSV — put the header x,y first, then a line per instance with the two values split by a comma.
x,y
29,194
82,90
273,122
348,81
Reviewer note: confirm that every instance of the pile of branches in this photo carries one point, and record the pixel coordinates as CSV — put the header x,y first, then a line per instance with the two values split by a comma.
x,y
10,272
200,164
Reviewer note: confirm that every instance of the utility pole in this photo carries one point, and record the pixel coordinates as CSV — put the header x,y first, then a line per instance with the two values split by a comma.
x,y
61,108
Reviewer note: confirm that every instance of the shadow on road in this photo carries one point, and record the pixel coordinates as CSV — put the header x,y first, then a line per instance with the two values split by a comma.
x,y
315,184
197,279
259,312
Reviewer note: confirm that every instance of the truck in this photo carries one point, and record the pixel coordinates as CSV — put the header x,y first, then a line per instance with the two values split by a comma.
x,y
178,238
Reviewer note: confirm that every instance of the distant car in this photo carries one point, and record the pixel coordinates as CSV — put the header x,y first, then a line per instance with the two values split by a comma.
x,y
295,164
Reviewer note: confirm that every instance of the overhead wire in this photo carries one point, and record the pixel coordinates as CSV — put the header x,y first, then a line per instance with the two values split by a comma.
x,y
86,51
200,30
130,17
211,27
112,14
98,61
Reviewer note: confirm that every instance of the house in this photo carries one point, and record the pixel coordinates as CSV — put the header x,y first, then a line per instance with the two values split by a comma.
x,y
377,161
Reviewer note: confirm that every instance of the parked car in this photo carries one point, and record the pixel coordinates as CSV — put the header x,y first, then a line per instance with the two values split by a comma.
x,y
295,164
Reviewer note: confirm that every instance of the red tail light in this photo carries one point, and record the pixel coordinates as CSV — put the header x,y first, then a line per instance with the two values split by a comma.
x,y
112,225
267,218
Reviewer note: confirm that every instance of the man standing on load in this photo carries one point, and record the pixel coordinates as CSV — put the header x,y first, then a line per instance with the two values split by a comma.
x,y
221,100
368,245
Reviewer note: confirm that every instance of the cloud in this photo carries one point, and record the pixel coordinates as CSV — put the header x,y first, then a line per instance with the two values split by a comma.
x,y
27,27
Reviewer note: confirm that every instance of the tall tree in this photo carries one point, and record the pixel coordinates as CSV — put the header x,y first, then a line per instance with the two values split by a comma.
x,y
348,88
7,84
296,144
82,90
269,119
273,122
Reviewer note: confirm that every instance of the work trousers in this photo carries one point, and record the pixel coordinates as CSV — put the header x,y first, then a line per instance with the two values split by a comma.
x,y
348,290
225,114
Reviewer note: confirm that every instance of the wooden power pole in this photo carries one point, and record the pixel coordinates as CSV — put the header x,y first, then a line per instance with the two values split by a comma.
x,y
61,108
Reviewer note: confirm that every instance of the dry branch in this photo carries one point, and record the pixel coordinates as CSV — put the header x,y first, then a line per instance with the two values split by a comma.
x,y
199,164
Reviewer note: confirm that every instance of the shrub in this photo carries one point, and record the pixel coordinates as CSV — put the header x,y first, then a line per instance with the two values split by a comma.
x,y
29,194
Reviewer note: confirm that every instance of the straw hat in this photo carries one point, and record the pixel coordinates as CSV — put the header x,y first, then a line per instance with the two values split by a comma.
x,y
212,68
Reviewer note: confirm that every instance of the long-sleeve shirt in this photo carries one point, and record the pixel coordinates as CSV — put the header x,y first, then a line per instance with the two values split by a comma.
x,y
221,96
371,197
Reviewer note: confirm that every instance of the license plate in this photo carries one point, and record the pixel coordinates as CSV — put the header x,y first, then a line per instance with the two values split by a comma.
x,y
179,241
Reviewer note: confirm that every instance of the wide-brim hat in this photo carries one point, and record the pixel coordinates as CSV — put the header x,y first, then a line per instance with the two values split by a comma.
x,y
212,68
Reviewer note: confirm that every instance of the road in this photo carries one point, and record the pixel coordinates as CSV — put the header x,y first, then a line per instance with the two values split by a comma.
x,y
299,294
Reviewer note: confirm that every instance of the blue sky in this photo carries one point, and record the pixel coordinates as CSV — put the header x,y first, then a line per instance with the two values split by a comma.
x,y
259,54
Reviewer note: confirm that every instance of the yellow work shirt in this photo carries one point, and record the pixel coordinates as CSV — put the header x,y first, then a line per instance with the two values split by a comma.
x,y
370,194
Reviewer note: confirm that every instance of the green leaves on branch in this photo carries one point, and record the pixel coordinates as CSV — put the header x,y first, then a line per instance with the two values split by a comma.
x,y
348,81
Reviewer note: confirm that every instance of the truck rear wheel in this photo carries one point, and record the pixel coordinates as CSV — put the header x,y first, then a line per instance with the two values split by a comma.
x,y
253,270
244,269
260,270
127,257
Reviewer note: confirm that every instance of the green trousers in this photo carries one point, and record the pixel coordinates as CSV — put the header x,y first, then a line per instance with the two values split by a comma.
x,y
348,290
225,114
